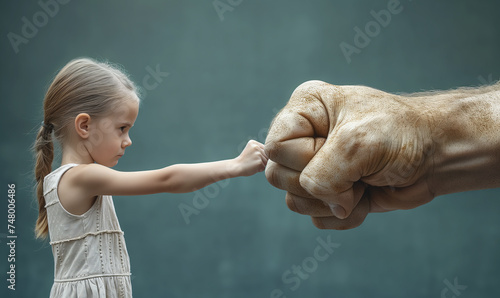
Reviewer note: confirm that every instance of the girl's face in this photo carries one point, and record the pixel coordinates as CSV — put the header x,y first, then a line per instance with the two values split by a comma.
x,y
109,135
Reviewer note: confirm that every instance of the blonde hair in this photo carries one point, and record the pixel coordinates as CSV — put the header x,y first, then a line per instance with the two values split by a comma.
x,y
81,86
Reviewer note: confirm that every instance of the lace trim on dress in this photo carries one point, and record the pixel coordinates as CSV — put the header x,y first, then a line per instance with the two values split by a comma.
x,y
87,234
91,276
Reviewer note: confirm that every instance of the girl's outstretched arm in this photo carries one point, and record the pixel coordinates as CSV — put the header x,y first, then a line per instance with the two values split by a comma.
x,y
90,180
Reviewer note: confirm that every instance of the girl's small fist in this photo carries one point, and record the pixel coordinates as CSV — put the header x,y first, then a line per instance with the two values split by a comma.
x,y
252,159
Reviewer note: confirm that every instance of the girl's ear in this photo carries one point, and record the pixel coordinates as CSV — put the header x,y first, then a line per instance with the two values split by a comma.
x,y
82,122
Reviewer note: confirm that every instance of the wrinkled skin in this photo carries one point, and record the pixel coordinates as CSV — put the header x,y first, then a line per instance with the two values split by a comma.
x,y
341,152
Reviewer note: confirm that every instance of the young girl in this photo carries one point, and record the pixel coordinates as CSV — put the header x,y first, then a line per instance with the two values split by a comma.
x,y
90,108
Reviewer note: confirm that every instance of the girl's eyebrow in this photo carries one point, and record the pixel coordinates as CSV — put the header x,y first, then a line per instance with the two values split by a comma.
x,y
127,124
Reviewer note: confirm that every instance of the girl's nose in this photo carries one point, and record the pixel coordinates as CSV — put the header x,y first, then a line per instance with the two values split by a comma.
x,y
127,142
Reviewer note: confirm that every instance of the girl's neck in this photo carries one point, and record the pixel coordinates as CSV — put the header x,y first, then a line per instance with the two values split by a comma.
x,y
73,155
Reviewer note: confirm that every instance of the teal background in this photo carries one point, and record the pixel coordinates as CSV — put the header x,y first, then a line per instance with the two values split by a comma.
x,y
227,79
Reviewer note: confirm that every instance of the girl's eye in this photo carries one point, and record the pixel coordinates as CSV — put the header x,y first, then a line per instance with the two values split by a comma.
x,y
123,128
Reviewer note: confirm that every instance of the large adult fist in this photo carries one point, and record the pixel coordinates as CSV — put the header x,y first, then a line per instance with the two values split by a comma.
x,y
341,152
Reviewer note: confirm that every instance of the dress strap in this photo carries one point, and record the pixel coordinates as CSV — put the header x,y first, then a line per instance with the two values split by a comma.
x,y
51,181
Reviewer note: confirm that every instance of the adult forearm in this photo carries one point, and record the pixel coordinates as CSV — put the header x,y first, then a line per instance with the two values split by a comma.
x,y
466,134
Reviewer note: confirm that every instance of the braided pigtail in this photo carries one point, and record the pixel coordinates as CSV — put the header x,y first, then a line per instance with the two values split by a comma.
x,y
44,150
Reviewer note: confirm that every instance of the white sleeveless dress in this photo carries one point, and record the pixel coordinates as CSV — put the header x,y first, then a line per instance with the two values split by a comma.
x,y
90,256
